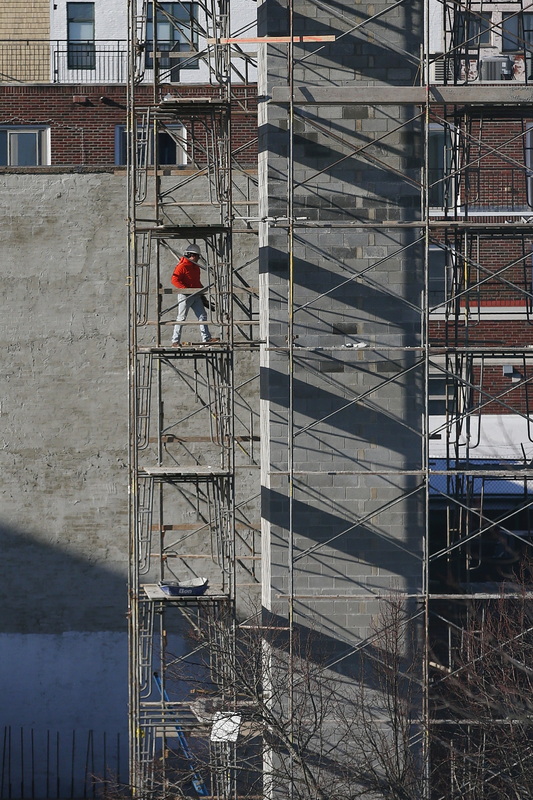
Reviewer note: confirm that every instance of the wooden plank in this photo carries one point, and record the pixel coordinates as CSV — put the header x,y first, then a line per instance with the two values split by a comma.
x,y
177,471
271,39
191,526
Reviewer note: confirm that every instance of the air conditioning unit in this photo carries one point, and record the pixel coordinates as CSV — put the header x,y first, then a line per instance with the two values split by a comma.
x,y
439,68
496,68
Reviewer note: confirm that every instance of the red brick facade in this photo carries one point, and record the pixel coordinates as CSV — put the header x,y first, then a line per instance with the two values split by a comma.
x,y
489,160
486,300
83,119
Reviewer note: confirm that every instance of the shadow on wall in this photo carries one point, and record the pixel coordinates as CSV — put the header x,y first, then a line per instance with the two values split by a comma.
x,y
63,670
364,543
50,589
375,49
378,294
342,185
346,424
355,662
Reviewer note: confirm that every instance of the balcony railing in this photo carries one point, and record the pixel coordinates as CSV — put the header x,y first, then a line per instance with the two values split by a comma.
x,y
59,61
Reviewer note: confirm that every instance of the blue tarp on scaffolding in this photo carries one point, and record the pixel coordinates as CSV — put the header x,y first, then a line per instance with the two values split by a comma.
x,y
485,484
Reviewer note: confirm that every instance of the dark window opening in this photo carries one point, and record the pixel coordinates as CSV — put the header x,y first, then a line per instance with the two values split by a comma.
x,y
176,32
440,142
171,148
517,33
472,29
81,48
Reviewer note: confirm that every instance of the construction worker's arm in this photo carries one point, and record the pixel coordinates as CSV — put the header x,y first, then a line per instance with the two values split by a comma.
x,y
178,277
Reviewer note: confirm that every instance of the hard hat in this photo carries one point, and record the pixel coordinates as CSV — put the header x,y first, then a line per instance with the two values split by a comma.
x,y
192,248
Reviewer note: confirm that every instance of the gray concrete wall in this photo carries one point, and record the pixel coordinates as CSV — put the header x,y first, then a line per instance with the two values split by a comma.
x,y
64,460
64,463
64,518
357,528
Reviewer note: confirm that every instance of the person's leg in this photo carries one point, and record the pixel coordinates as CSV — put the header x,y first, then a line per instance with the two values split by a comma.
x,y
181,316
201,314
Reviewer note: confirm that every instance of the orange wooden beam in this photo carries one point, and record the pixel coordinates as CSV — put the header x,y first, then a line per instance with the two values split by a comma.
x,y
272,39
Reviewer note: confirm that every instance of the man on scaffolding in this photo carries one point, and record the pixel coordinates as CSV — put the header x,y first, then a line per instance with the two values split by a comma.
x,y
186,275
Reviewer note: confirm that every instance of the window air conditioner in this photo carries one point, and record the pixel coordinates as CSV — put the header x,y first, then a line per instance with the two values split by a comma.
x,y
496,68
437,68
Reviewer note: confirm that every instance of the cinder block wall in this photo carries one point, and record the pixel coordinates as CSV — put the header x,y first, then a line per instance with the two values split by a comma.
x,y
356,514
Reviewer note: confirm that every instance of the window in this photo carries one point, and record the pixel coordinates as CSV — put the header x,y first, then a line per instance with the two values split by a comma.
x,y
81,49
437,278
23,147
171,143
472,29
439,156
517,32
441,394
176,31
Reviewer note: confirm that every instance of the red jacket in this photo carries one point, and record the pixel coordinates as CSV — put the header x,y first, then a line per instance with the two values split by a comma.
x,y
186,275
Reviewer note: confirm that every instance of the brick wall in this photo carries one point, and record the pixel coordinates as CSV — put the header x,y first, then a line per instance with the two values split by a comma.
x,y
492,178
25,19
490,161
499,333
84,133
513,393
490,269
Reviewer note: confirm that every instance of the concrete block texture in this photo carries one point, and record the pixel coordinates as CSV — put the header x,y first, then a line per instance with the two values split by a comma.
x,y
64,456
353,415
64,403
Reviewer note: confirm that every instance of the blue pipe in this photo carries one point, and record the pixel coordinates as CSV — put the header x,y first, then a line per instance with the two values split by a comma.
x,y
197,780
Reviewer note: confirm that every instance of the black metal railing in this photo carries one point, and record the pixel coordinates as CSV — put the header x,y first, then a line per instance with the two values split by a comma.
x,y
60,61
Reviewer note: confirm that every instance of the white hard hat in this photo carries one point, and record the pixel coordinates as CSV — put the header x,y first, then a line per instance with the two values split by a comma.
x,y
192,248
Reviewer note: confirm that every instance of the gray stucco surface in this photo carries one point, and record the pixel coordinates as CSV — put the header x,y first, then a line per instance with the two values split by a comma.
x,y
64,403
64,459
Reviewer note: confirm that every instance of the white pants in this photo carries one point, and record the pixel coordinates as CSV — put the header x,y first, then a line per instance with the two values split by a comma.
x,y
185,302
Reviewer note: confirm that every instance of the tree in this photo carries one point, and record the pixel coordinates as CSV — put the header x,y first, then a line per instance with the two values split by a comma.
x,y
482,701
309,730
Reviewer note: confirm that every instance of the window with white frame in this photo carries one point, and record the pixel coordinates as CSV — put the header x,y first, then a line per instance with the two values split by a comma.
x,y
517,37
472,29
517,32
176,33
24,146
81,47
171,143
439,165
